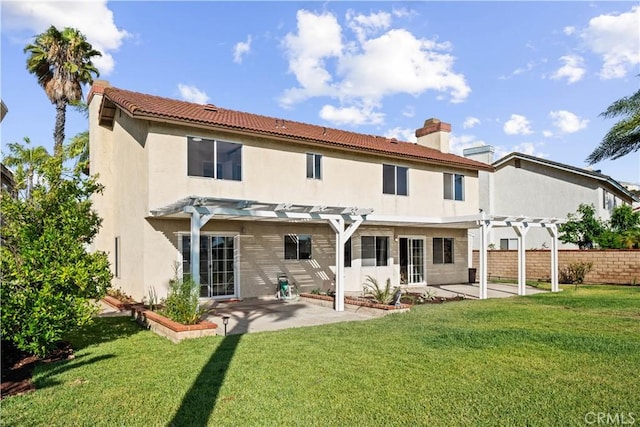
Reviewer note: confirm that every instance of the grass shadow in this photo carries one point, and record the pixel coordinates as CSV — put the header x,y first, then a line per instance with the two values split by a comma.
x,y
48,378
103,329
198,403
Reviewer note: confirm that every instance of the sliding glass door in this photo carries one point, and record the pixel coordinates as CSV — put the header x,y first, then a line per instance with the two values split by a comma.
x,y
412,261
217,265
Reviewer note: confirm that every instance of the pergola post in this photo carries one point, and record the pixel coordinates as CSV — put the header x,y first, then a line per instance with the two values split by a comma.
x,y
484,237
553,232
198,220
342,236
521,232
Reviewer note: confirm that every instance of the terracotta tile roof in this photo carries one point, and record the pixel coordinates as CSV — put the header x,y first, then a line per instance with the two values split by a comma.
x,y
157,108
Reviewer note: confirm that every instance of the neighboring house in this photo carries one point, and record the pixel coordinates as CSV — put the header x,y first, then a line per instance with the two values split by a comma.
x,y
8,182
3,110
234,199
525,186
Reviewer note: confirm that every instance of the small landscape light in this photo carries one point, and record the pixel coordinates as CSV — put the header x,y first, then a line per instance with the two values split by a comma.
x,y
225,321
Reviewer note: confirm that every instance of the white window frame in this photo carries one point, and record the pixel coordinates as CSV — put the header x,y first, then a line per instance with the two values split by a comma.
x,y
396,170
450,178
297,241
215,157
316,172
453,250
375,249
117,257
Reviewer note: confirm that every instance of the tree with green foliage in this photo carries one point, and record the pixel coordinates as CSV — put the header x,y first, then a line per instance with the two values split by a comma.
x,y
48,278
581,228
624,137
623,219
62,62
26,160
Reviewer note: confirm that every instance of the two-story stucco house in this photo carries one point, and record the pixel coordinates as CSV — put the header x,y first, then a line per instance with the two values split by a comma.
x,y
523,186
234,199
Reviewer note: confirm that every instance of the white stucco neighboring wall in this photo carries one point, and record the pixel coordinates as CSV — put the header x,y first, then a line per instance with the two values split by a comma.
x,y
520,187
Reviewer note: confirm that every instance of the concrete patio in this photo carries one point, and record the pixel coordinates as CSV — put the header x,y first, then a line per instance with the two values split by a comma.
x,y
268,314
255,315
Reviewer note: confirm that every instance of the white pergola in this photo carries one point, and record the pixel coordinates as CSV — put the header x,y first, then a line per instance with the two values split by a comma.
x,y
520,225
345,221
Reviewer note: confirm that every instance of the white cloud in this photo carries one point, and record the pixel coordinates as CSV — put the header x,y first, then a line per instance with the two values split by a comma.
x,y
573,69
379,62
616,38
409,111
521,70
458,143
517,125
318,37
569,30
547,133
192,94
351,115
402,134
470,122
367,25
567,122
92,18
241,49
529,148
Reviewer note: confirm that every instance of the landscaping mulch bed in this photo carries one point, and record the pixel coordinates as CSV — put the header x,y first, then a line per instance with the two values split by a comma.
x,y
413,298
17,367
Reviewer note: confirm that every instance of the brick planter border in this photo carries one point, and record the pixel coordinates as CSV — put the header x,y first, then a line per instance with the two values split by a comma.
x,y
167,328
117,304
371,308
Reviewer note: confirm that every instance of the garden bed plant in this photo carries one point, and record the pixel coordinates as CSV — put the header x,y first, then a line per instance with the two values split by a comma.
x,y
179,315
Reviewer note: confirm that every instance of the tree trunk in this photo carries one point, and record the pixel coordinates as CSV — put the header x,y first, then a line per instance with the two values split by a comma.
x,y
58,132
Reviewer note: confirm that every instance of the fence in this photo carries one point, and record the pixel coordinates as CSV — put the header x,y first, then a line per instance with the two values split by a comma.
x,y
609,266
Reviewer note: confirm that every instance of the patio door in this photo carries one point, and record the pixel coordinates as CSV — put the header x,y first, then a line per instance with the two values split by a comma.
x,y
412,261
217,265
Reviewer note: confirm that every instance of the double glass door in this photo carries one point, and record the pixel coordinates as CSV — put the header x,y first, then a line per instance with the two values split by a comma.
x,y
217,265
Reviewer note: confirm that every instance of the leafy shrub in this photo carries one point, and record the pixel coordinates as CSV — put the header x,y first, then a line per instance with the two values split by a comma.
x,y
48,277
182,304
574,273
379,294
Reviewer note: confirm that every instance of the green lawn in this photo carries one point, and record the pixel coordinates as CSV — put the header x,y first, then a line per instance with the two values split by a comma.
x,y
547,359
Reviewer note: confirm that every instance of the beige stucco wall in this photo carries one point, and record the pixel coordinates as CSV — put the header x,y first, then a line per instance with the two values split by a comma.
x,y
119,158
260,254
144,166
275,171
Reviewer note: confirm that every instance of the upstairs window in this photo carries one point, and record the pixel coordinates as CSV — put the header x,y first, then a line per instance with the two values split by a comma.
x,y
394,180
314,166
453,186
442,250
297,246
375,251
211,158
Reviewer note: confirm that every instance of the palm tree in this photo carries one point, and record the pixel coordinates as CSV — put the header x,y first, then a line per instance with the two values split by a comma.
x,y
61,61
624,136
27,163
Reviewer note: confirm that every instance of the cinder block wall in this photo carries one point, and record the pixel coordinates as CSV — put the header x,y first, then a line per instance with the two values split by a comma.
x,y
609,266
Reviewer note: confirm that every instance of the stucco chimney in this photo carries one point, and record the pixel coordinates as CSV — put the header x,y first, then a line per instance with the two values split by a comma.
x,y
434,134
483,153
97,88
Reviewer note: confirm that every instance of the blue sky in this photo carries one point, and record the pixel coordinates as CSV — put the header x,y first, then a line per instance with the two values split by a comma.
x,y
521,76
